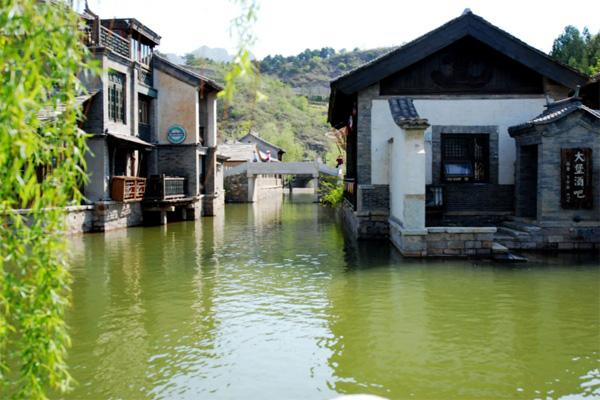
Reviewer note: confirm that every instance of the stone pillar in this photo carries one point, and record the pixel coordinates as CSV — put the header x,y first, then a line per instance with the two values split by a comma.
x,y
407,188
252,190
211,128
184,214
163,217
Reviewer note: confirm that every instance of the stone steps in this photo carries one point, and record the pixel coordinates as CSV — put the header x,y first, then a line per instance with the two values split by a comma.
x,y
497,248
514,233
521,226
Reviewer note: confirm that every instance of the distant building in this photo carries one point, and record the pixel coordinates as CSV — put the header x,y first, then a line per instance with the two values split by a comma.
x,y
153,125
431,163
238,187
264,146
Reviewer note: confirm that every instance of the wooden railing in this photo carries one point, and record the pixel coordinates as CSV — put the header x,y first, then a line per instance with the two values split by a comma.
x,y
114,42
162,187
350,190
128,188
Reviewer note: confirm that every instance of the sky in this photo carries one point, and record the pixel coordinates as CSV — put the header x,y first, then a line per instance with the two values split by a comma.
x,y
288,27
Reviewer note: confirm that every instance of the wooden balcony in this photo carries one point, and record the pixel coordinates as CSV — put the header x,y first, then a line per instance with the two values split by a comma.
x,y
128,188
163,187
116,43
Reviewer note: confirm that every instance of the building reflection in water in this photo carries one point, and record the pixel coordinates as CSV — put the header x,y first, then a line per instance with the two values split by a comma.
x,y
424,329
270,300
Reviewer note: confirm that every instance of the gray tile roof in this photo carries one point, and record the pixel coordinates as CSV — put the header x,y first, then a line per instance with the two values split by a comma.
x,y
237,151
51,113
554,112
255,136
405,114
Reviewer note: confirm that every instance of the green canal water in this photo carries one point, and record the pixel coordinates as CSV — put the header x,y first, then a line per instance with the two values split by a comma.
x,y
270,301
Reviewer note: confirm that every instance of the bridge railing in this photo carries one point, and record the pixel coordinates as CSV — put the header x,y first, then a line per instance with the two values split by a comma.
x,y
281,168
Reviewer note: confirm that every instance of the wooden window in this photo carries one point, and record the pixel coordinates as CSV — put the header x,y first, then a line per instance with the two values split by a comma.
x,y
144,110
116,96
465,158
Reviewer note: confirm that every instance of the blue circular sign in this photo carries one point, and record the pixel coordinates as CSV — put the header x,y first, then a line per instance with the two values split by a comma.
x,y
176,134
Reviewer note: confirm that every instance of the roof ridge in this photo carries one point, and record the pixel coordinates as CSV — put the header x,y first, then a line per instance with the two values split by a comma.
x,y
468,18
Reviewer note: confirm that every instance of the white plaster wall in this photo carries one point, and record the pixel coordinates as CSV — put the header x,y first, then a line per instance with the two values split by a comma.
x,y
500,112
177,103
211,129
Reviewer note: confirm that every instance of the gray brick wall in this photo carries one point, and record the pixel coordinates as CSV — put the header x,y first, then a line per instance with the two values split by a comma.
x,y
569,132
180,160
374,198
479,197
365,98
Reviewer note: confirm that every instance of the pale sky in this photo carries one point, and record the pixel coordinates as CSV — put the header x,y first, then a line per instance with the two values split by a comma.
x,y
288,27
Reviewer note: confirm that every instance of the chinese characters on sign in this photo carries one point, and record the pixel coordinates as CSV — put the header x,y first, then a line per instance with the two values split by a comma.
x,y
576,178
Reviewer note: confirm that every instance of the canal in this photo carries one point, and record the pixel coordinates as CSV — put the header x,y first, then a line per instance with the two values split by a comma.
x,y
270,301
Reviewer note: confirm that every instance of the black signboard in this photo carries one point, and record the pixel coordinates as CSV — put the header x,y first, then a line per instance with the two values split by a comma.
x,y
576,178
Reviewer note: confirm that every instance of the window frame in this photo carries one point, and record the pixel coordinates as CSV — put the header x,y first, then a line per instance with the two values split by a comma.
x,y
116,96
472,156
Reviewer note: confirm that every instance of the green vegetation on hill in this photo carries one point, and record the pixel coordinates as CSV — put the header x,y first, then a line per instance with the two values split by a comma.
x,y
272,109
311,71
288,104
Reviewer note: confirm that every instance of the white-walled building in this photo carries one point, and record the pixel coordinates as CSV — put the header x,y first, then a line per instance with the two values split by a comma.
x,y
428,141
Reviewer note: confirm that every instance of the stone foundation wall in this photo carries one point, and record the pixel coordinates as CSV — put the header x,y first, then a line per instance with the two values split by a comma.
x,y
550,237
236,187
110,215
459,241
443,241
79,219
365,224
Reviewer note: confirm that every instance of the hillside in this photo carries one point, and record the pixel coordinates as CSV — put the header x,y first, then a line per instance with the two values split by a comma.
x,y
279,115
310,72
291,110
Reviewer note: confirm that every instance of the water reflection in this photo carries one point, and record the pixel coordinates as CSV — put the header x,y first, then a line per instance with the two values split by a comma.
x,y
271,301
452,330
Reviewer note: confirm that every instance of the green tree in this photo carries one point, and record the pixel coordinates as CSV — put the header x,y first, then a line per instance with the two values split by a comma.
x,y
580,50
41,52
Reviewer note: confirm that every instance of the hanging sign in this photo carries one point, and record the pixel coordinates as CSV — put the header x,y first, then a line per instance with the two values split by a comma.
x,y
576,178
176,134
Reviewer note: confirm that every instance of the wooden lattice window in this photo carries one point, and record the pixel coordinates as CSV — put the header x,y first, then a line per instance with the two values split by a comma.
x,y
465,158
116,96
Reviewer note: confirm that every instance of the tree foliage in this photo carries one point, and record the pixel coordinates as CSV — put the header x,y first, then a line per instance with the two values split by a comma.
x,y
40,54
580,50
311,71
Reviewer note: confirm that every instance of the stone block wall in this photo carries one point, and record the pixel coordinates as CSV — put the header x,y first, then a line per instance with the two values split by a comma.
x,y
459,241
443,241
365,224
110,215
236,187
79,219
